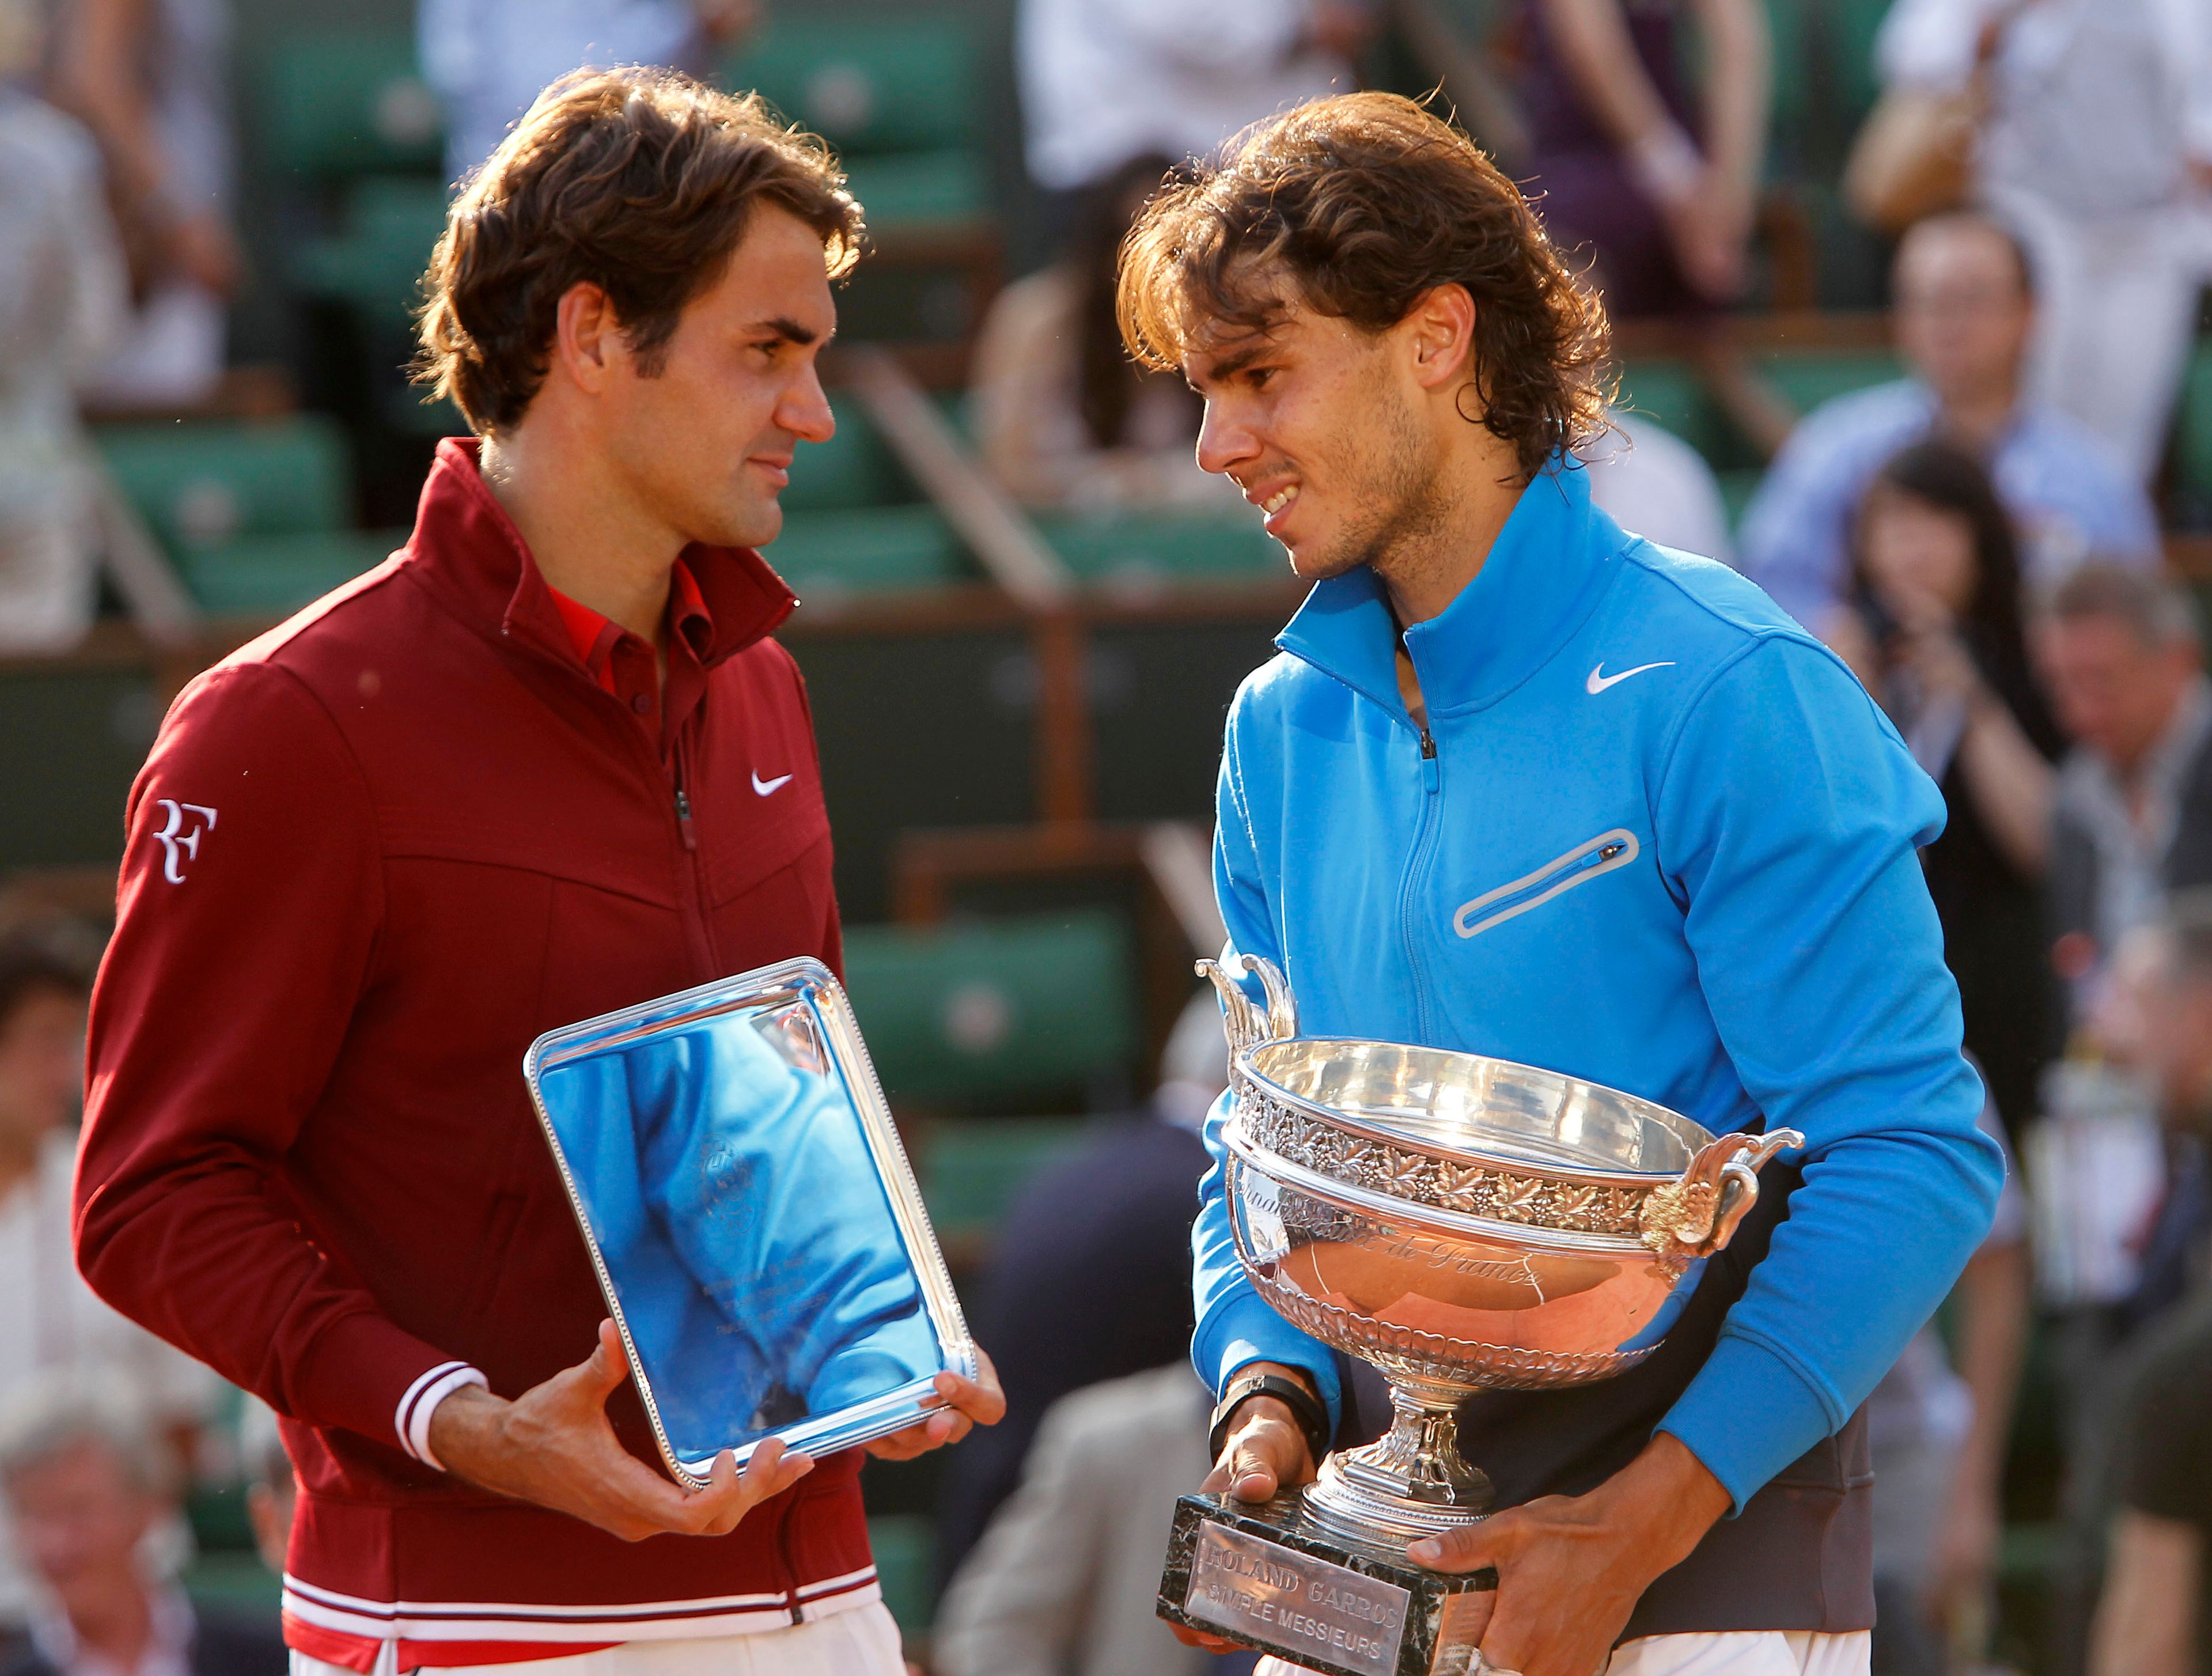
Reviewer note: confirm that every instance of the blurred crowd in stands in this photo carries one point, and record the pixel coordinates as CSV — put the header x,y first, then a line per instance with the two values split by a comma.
x,y
1995,541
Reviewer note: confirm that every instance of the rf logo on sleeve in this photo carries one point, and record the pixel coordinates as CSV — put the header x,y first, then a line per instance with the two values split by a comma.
x,y
181,844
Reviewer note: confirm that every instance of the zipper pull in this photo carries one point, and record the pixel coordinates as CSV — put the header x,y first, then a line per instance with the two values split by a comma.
x,y
683,819
1428,745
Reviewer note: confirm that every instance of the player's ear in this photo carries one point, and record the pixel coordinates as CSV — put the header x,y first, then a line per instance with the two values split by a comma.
x,y
1441,335
586,335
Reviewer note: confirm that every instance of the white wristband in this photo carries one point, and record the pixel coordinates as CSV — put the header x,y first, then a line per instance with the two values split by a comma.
x,y
1666,165
412,1421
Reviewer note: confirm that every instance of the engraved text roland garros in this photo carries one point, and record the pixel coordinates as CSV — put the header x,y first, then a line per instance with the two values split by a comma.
x,y
1294,1601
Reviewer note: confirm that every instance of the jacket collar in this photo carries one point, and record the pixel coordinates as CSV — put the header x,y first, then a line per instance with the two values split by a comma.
x,y
1542,579
470,552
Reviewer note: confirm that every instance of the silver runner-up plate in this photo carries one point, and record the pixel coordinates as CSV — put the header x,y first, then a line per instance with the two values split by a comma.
x,y
753,1220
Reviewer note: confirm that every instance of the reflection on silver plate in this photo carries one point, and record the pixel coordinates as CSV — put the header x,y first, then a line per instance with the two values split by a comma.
x,y
752,1218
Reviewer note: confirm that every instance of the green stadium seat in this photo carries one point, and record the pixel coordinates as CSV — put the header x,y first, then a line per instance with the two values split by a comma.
x,y
905,1547
823,555
914,189
409,409
254,512
1141,548
228,1580
882,83
273,575
1853,25
1671,394
73,736
853,468
374,264
217,1513
972,1016
200,485
1807,379
972,1168
340,103
2192,442
1785,27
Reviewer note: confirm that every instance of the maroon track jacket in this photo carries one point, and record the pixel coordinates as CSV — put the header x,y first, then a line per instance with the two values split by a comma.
x,y
372,854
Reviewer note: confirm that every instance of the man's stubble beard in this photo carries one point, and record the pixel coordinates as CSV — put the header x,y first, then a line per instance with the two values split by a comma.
x,y
1402,504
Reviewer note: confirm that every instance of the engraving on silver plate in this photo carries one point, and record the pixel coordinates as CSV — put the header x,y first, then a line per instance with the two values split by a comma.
x,y
1295,1601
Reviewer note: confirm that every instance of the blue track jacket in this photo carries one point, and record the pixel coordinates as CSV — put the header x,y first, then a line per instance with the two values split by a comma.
x,y
1658,836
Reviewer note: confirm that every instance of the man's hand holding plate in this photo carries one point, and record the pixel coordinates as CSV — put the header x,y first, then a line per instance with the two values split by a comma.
x,y
966,1403
553,1446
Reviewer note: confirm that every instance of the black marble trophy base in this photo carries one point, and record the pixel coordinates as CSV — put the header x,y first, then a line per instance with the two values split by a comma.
x,y
1268,1576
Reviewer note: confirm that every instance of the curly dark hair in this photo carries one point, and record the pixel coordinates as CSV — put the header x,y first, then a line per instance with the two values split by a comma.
x,y
1364,203
639,181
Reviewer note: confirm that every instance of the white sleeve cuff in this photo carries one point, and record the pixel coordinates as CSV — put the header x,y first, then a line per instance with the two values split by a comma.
x,y
412,1421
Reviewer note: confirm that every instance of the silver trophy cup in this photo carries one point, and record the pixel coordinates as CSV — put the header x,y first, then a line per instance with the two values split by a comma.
x,y
1463,1224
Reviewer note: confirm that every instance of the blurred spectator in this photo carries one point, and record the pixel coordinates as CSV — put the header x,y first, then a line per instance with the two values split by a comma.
x,y
1064,1581
273,1493
1964,310
1106,81
1090,1275
2095,144
2150,1621
2133,816
1933,625
89,1487
487,60
1665,197
1065,416
1939,1434
63,296
150,78
1654,484
49,1317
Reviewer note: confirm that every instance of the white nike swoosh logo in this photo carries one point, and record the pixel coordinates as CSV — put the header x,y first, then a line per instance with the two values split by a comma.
x,y
1599,680
764,787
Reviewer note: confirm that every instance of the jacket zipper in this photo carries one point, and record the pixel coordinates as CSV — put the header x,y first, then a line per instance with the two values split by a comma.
x,y
692,869
1601,854
697,930
1416,864
790,1577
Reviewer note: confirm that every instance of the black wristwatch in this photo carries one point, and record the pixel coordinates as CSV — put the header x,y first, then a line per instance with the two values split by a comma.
x,y
1305,1408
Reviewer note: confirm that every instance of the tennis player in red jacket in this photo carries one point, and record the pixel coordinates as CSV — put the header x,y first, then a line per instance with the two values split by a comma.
x,y
543,762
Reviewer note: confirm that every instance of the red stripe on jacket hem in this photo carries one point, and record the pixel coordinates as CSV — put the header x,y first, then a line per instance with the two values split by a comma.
x,y
353,1650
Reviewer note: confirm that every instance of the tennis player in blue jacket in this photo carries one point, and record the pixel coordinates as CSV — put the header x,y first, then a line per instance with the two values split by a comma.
x,y
1523,784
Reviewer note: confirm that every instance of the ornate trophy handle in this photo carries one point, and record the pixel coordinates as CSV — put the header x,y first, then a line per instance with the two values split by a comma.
x,y
1698,1214
1246,1026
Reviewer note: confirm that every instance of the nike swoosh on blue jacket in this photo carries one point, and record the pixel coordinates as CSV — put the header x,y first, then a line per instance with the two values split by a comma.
x,y
1699,885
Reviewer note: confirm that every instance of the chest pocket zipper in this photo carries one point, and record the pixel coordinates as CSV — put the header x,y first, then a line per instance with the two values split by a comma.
x,y
1585,862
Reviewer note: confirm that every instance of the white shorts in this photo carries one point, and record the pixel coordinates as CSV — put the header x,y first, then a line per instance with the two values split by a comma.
x,y
864,1642
1746,1653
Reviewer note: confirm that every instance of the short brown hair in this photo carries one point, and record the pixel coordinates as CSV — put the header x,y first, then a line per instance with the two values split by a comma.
x,y
1366,201
2156,612
639,181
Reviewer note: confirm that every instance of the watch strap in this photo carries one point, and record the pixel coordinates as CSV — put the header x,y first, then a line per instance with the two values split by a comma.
x,y
1306,1409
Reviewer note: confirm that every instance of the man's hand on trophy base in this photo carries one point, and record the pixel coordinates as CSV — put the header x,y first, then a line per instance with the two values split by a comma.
x,y
552,1446
967,1404
1571,1568
1263,1454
